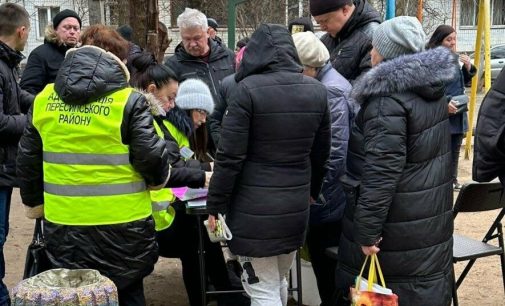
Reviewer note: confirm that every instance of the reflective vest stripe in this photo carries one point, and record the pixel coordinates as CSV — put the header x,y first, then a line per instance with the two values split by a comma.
x,y
94,190
86,158
160,205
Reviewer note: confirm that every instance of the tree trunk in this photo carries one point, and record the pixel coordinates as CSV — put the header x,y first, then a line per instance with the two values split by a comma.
x,y
95,12
152,27
138,21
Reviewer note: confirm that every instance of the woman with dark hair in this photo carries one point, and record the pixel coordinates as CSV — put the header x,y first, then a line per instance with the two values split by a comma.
x,y
185,134
445,36
159,85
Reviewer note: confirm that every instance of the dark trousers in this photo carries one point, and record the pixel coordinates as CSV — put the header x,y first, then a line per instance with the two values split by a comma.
x,y
320,237
132,295
5,204
180,240
456,140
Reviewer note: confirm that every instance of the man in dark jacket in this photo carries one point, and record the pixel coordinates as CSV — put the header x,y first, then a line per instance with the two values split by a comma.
x,y
270,162
198,56
398,179
14,28
349,25
45,60
326,214
489,158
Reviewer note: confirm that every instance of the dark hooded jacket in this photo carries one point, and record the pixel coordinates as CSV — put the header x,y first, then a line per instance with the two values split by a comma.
x,y
43,64
13,102
330,205
350,49
124,252
398,182
489,157
273,151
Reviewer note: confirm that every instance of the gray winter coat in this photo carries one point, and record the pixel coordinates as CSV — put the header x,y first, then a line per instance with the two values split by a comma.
x,y
398,180
329,207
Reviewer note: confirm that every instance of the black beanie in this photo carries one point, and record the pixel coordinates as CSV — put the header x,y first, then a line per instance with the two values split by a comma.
x,y
65,14
212,23
320,7
439,35
302,24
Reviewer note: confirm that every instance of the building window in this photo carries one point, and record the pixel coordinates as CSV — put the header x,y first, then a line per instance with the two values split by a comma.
x,y
44,17
470,11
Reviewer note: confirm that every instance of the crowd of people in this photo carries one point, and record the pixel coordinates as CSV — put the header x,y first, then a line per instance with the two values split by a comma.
x,y
350,140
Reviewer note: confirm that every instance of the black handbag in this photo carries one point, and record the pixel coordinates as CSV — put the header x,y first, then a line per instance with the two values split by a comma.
x,y
461,103
37,260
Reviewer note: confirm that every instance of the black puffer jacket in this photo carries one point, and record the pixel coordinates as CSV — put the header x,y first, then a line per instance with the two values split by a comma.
x,y
273,151
350,49
215,119
13,101
124,252
489,158
398,181
43,65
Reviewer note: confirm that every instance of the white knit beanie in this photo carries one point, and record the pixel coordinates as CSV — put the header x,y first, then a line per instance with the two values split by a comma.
x,y
311,50
194,94
398,36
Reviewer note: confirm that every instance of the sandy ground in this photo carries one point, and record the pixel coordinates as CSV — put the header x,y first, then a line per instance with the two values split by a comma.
x,y
483,285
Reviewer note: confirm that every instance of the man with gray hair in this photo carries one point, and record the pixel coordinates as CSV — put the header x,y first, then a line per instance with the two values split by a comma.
x,y
199,56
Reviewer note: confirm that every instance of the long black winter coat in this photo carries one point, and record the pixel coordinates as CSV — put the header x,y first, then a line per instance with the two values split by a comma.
x,y
350,49
43,65
273,151
489,158
124,252
398,180
13,101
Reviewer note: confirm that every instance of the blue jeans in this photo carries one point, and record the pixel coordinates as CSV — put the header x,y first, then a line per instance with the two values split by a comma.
x,y
5,203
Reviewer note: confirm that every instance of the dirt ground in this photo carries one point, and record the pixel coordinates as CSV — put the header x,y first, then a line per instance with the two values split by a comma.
x,y
483,285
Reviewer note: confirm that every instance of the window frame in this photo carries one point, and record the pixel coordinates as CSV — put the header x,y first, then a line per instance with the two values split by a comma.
x,y
475,16
49,13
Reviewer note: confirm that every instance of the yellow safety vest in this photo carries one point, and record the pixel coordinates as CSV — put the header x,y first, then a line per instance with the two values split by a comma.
x,y
181,139
163,213
88,177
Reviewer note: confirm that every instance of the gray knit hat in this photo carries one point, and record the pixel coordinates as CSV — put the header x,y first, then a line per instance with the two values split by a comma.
x,y
194,94
398,36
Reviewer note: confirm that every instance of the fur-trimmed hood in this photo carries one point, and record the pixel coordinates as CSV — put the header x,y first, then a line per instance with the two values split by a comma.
x,y
410,72
155,105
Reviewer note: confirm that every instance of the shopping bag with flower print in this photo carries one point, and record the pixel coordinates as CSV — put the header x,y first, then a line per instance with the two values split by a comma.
x,y
369,292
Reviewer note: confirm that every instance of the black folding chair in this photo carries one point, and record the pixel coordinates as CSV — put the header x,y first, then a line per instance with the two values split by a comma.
x,y
479,197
